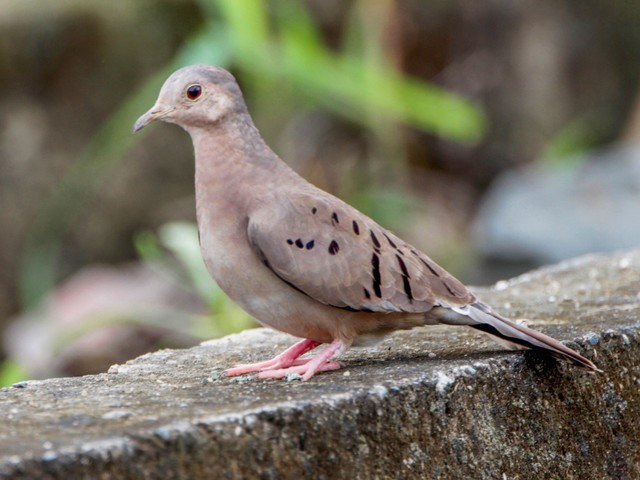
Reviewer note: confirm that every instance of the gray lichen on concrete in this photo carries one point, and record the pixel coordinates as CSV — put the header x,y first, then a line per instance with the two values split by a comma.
x,y
434,402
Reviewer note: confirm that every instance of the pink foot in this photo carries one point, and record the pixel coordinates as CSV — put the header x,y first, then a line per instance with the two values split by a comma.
x,y
320,363
298,370
286,359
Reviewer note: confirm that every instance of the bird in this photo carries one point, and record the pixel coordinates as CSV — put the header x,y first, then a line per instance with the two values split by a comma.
x,y
300,260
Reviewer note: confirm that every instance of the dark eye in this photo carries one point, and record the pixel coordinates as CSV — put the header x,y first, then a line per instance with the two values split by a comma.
x,y
194,91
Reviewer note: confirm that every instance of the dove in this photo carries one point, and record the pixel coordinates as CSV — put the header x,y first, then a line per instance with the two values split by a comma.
x,y
300,260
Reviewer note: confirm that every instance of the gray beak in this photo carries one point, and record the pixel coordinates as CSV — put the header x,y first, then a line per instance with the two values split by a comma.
x,y
155,113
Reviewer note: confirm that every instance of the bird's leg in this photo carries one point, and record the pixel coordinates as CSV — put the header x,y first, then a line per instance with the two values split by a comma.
x,y
285,359
319,363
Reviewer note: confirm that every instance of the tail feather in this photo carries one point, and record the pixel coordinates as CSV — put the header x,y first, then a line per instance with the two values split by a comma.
x,y
488,321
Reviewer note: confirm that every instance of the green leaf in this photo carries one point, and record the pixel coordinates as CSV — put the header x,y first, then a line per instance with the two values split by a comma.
x,y
11,372
248,29
568,147
182,240
352,87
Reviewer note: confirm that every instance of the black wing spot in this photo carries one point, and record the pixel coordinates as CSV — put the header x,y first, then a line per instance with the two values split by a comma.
x,y
299,243
431,269
405,278
314,210
356,228
334,218
449,289
374,239
403,267
407,288
393,245
352,309
309,245
375,263
367,295
289,241
334,247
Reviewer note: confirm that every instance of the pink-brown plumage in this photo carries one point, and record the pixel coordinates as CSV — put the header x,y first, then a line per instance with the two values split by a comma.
x,y
298,259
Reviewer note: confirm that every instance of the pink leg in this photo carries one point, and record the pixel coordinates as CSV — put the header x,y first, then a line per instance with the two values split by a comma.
x,y
285,359
320,363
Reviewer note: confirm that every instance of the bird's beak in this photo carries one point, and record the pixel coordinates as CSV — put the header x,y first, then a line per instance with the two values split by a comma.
x,y
156,112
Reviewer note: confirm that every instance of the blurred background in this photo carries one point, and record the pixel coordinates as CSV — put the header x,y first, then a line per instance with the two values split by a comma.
x,y
497,136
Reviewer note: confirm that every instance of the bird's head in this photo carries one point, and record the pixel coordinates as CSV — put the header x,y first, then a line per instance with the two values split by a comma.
x,y
194,97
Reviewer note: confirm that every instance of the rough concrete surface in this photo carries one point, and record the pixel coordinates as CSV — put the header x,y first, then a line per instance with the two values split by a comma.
x,y
434,402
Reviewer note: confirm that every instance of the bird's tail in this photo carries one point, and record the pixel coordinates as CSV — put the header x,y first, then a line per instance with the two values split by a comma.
x,y
482,317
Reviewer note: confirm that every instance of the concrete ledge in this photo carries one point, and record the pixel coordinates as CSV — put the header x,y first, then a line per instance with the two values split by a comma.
x,y
435,402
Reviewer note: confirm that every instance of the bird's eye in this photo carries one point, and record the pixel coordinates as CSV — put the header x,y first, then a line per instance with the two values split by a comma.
x,y
194,91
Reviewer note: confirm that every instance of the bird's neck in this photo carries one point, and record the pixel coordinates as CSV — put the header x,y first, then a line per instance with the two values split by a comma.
x,y
233,146
231,158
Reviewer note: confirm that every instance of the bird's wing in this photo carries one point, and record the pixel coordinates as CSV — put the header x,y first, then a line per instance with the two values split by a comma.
x,y
321,246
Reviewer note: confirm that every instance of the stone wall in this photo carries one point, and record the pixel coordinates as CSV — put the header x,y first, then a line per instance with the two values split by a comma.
x,y
435,402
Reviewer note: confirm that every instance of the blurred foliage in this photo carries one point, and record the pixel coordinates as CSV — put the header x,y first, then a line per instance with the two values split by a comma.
x,y
390,207
102,154
344,82
180,241
568,148
280,50
11,372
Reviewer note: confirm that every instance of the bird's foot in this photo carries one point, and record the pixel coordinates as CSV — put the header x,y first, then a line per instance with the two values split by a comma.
x,y
289,363
319,363
303,370
286,359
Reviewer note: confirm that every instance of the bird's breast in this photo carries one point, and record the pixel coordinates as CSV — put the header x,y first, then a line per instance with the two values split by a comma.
x,y
245,279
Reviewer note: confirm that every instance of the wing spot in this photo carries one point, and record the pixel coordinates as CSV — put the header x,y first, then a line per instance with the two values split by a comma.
x,y
334,247
449,289
334,218
375,263
407,288
367,295
374,239
393,245
405,279
356,228
403,267
289,241
431,269
446,285
309,245
299,243
314,210
347,308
